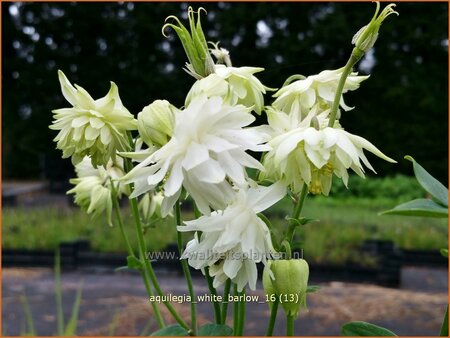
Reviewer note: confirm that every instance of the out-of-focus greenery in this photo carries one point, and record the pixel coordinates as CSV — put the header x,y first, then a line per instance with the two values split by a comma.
x,y
402,108
345,221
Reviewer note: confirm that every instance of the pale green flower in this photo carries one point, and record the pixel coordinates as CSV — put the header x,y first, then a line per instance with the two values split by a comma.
x,y
150,206
155,122
300,96
366,37
93,187
94,128
234,85
311,155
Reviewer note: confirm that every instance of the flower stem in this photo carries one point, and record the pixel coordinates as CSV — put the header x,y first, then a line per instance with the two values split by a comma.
x,y
296,213
354,58
224,310
235,312
242,304
273,317
213,292
146,264
289,325
186,272
148,287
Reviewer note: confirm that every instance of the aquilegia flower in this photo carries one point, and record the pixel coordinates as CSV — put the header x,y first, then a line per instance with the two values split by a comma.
x,y
312,154
93,190
301,95
205,153
236,85
235,239
94,128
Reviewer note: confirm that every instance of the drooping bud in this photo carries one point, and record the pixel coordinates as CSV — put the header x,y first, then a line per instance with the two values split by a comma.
x,y
365,38
155,122
194,43
288,280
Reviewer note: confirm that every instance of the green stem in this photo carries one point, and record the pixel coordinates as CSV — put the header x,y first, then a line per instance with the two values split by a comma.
x,y
213,292
235,312
289,325
296,213
354,58
242,304
273,317
224,310
147,284
186,272
146,264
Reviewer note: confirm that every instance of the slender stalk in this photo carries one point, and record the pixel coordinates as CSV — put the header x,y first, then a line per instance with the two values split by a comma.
x,y
235,312
58,295
242,303
209,280
296,213
213,292
146,264
289,325
186,272
148,288
224,310
354,58
273,317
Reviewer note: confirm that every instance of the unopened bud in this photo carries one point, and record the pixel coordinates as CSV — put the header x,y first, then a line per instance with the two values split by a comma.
x,y
155,122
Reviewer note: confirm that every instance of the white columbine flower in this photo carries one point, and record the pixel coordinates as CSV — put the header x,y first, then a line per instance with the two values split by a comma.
x,y
93,186
205,153
235,239
312,154
301,95
94,128
234,85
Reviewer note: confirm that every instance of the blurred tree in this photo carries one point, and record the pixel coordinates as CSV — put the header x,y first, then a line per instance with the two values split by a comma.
x,y
402,108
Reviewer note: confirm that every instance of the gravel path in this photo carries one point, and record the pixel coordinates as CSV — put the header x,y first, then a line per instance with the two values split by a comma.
x,y
116,303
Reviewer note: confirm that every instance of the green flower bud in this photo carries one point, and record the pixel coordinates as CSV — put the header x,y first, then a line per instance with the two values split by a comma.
x,y
365,38
155,122
287,280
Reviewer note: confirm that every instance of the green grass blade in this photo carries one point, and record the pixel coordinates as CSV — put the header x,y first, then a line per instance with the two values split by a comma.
x,y
30,330
71,327
444,327
58,295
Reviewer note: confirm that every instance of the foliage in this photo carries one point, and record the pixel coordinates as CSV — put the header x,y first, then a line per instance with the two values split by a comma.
x,y
128,48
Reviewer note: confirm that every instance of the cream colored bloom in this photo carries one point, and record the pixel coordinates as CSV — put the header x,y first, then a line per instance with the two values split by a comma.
x,y
234,85
308,155
300,96
94,128
155,122
207,151
93,190
235,239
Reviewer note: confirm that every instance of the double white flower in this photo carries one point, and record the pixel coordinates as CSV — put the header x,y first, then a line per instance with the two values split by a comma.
x,y
300,96
236,85
205,153
235,239
311,155
93,187
95,128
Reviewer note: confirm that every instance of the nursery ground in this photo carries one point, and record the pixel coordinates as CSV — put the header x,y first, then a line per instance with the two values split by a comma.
x,y
116,303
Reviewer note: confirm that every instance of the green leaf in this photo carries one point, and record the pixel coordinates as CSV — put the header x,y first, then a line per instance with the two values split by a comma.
x,y
444,252
172,330
364,329
134,263
215,330
429,183
444,327
419,207
71,327
312,288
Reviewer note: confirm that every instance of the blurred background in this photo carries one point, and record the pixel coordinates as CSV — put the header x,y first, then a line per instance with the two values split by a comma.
x,y
402,109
